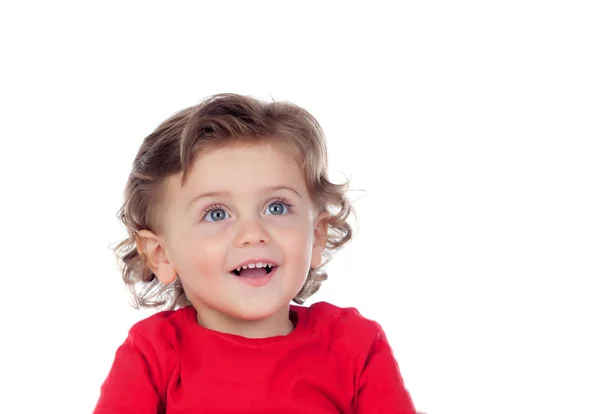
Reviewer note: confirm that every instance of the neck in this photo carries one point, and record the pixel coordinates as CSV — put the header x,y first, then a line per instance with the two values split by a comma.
x,y
274,325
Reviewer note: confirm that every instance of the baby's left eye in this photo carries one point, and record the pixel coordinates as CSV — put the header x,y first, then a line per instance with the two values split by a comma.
x,y
278,208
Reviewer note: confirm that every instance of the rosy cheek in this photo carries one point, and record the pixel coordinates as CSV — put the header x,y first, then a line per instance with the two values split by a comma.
x,y
206,267
205,256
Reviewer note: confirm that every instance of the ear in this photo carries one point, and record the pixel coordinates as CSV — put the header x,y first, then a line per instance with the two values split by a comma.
x,y
152,249
319,240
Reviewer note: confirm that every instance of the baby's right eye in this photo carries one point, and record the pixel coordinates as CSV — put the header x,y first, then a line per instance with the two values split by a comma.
x,y
215,214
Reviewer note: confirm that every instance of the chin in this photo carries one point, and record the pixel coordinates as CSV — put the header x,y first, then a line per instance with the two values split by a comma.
x,y
257,311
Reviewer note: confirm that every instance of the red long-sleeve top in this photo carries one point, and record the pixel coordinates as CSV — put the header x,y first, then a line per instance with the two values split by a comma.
x,y
334,361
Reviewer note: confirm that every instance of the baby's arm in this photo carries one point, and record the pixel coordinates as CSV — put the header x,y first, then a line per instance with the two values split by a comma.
x,y
129,387
381,388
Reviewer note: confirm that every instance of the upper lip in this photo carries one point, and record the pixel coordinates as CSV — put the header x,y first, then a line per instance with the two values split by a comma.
x,y
254,261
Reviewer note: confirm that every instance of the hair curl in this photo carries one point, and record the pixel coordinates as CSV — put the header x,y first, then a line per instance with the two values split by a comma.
x,y
217,121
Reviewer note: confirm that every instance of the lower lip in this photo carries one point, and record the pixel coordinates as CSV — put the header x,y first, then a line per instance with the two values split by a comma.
x,y
257,281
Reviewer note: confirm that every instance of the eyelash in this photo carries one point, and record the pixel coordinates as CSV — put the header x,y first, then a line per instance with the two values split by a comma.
x,y
282,201
220,206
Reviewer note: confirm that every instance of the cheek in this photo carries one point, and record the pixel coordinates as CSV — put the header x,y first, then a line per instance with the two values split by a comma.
x,y
207,266
201,252
293,223
296,243
209,253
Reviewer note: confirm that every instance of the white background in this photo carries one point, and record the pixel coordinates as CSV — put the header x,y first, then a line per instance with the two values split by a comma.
x,y
473,127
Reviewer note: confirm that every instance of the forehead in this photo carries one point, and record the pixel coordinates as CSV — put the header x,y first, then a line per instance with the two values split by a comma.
x,y
241,169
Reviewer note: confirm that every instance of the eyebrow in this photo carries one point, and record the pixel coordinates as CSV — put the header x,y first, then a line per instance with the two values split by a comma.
x,y
226,194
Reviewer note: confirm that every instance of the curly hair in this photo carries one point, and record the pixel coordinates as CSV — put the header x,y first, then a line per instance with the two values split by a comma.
x,y
217,121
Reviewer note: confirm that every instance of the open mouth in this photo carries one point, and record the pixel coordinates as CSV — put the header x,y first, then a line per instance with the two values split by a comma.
x,y
257,270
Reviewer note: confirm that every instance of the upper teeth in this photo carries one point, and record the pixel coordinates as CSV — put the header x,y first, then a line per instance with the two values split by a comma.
x,y
253,265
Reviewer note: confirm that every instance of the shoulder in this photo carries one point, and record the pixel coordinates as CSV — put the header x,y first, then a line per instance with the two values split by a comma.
x,y
150,351
346,324
163,326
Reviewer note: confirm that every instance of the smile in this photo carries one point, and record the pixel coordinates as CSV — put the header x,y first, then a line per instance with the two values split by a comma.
x,y
257,276
268,268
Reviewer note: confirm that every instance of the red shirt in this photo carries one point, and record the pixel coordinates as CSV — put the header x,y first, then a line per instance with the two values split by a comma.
x,y
334,361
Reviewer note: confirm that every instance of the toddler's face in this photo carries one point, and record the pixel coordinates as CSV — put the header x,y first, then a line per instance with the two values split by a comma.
x,y
240,204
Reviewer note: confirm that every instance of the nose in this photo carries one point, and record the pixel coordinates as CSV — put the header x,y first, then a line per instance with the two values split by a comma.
x,y
251,232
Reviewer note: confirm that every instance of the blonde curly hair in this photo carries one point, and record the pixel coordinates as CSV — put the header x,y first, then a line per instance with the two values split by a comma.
x,y
217,121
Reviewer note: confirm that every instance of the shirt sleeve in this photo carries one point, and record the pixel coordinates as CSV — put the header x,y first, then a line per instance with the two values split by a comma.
x,y
130,386
381,387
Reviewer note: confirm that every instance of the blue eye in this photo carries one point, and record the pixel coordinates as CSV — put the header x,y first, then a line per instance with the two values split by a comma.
x,y
216,214
278,208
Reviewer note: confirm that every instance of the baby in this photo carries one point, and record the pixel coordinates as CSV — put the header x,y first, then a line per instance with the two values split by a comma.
x,y
231,216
